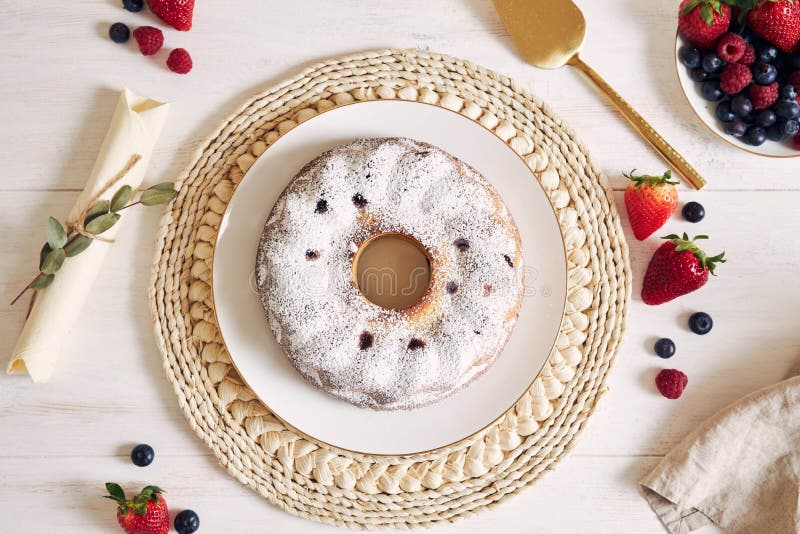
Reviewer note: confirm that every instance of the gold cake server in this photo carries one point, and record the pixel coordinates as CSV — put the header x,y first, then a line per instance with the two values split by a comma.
x,y
550,34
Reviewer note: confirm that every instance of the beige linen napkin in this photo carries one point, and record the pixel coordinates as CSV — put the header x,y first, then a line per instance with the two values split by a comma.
x,y
739,470
134,129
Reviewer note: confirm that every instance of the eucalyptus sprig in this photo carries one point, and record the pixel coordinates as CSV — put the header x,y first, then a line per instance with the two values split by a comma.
x,y
63,243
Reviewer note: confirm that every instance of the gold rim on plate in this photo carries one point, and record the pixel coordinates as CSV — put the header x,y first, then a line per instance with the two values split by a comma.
x,y
364,453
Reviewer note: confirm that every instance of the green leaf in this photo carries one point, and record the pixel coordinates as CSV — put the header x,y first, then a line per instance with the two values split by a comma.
x,y
115,491
97,210
154,489
707,14
154,197
102,223
163,186
56,236
43,281
77,244
43,254
53,261
121,198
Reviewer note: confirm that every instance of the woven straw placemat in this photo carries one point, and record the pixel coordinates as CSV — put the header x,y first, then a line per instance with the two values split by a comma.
x,y
313,480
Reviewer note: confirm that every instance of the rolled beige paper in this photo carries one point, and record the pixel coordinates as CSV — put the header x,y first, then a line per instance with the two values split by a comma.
x,y
134,129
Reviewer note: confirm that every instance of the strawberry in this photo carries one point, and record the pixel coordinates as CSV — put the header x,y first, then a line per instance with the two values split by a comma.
x,y
702,22
144,514
176,13
678,267
777,21
650,200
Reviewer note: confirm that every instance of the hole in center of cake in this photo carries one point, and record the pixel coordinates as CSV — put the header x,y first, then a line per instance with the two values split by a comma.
x,y
392,270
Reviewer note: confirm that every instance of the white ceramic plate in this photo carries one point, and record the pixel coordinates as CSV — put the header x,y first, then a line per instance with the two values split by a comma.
x,y
707,111
259,358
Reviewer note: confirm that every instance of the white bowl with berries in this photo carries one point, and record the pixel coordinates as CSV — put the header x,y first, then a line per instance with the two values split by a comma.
x,y
738,63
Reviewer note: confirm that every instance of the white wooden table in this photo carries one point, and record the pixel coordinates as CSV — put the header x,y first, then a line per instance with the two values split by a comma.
x,y
59,442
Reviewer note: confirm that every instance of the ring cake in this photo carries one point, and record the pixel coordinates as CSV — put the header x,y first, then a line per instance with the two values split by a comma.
x,y
352,348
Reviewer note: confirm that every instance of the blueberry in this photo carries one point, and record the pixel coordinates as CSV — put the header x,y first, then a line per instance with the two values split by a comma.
x,y
699,75
142,455
764,73
775,133
724,112
693,212
789,127
755,135
741,105
187,522
119,33
690,57
766,53
736,128
765,118
787,109
788,92
700,323
780,62
711,90
664,347
133,5
794,61
711,62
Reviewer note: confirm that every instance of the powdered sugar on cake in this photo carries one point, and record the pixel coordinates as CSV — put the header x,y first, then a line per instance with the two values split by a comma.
x,y
352,348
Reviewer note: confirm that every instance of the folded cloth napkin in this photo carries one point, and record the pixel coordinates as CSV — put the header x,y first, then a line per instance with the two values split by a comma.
x,y
123,158
740,470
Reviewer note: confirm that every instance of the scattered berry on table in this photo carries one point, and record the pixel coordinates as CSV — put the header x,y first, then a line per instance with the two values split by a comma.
x,y
724,112
150,39
133,5
712,63
671,383
649,201
731,47
690,57
146,513
787,109
142,455
734,78
777,21
699,75
755,135
736,128
700,323
664,348
749,56
119,32
677,267
742,105
187,522
764,73
763,96
702,22
176,13
179,61
765,118
693,212
711,90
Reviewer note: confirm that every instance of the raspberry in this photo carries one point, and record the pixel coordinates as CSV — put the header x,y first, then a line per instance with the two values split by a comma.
x,y
763,96
150,39
179,61
797,141
734,78
671,382
794,79
731,47
749,55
